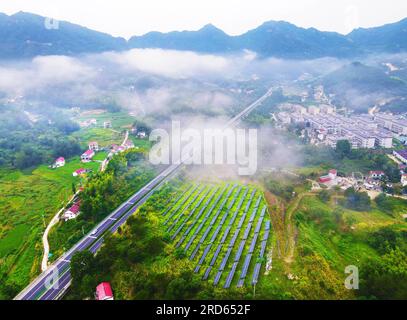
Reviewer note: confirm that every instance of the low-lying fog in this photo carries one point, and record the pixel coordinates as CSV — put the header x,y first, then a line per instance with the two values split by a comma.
x,y
197,89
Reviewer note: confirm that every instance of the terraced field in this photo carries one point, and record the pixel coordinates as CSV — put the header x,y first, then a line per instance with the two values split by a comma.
x,y
224,229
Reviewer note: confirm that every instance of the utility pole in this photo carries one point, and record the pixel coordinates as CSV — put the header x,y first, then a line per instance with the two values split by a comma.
x,y
254,291
43,220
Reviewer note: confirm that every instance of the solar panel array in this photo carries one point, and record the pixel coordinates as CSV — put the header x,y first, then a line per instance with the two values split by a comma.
x,y
209,223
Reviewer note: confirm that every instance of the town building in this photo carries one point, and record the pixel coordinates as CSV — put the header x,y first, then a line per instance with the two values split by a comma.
x,y
401,155
104,291
314,110
87,155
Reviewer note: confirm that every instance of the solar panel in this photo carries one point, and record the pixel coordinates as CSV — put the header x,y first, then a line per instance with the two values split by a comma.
x,y
256,273
239,251
258,226
217,278
230,276
207,273
225,259
253,244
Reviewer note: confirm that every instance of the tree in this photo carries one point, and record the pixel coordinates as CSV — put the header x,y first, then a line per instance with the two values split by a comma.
x,y
343,148
324,195
385,278
82,265
359,201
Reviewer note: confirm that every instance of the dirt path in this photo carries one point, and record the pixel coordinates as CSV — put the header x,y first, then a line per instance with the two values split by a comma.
x,y
54,221
109,156
283,225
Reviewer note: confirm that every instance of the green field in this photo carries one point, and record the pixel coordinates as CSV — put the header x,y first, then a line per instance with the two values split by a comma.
x,y
28,199
119,120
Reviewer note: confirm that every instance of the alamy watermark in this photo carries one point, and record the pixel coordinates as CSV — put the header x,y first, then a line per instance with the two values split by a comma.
x,y
51,24
352,281
205,147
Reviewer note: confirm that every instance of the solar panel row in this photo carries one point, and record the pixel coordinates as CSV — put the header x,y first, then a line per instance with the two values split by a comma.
x,y
181,204
246,264
209,228
197,230
225,233
232,243
198,216
192,213
182,214
257,267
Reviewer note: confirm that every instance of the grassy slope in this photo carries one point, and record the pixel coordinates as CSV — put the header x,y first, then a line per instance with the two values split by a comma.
x,y
325,245
25,196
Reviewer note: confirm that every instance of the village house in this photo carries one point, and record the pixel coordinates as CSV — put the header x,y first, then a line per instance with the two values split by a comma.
x,y
94,146
87,155
117,149
60,162
404,179
372,184
376,174
141,134
72,212
107,124
79,172
104,291
330,179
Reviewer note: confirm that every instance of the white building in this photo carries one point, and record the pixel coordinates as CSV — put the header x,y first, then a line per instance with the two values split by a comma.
x,y
94,146
60,162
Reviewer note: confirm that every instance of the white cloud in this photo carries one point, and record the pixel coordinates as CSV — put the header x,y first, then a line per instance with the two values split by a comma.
x,y
169,63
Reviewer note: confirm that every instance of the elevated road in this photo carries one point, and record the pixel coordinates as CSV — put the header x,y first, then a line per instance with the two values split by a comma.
x,y
53,283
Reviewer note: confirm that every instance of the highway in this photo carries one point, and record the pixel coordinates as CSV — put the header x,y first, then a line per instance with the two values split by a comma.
x,y
52,283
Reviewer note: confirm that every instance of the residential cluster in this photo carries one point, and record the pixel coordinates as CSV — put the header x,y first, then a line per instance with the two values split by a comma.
x,y
323,125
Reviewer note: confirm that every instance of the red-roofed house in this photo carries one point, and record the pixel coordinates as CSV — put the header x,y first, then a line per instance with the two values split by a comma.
x,y
325,179
79,172
376,174
72,212
333,173
60,162
87,156
104,291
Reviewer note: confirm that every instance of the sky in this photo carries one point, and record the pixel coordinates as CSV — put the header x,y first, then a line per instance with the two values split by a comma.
x,y
135,17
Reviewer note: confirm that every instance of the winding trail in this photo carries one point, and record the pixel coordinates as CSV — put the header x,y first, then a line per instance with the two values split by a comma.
x,y
53,222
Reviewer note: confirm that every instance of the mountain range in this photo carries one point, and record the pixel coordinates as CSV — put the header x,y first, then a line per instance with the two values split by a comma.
x,y
24,35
